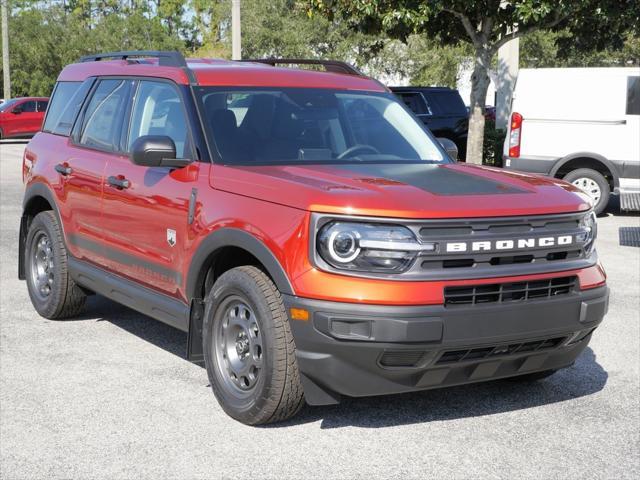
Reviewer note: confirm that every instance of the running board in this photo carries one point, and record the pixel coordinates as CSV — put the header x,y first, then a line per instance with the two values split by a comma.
x,y
630,200
149,302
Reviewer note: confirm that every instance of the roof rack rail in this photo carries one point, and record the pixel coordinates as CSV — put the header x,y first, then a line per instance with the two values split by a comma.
x,y
165,59
333,66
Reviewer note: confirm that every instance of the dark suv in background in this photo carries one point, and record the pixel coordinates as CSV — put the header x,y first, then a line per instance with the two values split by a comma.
x,y
441,109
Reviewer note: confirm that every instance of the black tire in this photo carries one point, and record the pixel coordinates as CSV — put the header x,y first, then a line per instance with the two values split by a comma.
x,y
533,377
595,176
251,364
62,298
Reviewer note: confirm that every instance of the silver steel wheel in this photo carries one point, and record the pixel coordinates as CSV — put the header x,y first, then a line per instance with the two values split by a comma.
x,y
590,187
42,265
238,347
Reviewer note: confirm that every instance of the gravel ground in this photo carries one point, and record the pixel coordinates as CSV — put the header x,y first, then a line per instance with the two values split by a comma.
x,y
110,395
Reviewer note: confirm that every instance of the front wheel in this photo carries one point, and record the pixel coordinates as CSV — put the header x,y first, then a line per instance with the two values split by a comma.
x,y
249,350
593,184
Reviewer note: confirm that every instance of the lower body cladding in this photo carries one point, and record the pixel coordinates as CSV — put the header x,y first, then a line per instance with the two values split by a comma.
x,y
363,350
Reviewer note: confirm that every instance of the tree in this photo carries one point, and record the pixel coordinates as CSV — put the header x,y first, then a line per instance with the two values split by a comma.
x,y
486,25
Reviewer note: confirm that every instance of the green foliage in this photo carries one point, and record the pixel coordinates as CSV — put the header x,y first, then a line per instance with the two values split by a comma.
x,y
486,25
541,50
493,143
43,39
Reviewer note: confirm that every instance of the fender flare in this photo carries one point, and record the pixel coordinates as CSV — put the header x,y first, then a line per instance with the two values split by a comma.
x,y
32,191
593,156
233,237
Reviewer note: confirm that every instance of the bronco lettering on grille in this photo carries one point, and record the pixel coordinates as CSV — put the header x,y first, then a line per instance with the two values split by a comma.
x,y
515,244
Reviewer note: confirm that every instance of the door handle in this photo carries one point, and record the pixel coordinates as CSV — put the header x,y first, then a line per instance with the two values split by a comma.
x,y
63,169
118,182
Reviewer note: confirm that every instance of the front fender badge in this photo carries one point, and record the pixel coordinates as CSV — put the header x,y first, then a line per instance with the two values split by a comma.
x,y
171,237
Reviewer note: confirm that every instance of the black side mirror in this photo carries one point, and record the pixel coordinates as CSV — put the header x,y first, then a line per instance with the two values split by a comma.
x,y
449,147
156,151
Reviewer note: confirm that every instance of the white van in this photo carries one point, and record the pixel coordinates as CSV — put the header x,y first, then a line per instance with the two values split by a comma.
x,y
581,125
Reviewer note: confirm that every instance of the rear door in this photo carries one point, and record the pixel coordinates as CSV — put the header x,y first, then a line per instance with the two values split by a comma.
x,y
146,223
94,141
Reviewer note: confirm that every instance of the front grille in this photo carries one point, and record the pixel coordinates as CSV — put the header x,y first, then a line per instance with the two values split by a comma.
x,y
488,246
509,292
496,351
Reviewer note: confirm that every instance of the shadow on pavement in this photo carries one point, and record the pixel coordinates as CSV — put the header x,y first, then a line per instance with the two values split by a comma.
x,y
15,141
584,378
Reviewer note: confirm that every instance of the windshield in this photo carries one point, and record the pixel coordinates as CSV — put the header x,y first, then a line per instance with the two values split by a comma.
x,y
7,104
297,125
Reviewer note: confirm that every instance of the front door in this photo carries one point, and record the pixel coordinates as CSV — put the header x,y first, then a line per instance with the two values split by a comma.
x,y
146,209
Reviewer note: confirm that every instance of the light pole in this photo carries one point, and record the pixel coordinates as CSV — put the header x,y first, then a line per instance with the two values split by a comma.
x,y
4,6
236,52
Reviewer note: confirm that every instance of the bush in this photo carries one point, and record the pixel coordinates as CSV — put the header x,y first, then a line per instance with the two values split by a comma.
x,y
493,141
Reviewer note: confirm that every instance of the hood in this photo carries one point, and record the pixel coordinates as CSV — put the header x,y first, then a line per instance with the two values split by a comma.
x,y
413,190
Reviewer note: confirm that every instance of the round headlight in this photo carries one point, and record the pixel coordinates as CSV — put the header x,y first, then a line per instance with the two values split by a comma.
x,y
343,246
367,247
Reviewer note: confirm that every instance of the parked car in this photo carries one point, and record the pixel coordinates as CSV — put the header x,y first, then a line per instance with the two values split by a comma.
x,y
311,236
441,109
581,125
22,117
490,113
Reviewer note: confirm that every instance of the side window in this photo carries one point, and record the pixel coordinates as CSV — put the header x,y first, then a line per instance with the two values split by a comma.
x,y
102,122
59,102
28,107
158,110
415,102
42,105
633,95
65,105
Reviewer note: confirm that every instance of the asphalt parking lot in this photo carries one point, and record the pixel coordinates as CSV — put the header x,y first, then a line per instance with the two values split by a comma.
x,y
110,395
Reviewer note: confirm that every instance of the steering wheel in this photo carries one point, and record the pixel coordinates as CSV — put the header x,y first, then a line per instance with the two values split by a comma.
x,y
349,152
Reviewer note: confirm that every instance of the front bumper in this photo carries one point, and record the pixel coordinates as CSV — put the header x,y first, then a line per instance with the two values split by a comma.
x,y
363,350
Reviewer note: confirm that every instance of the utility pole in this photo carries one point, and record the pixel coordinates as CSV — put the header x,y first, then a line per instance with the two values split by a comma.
x,y
4,6
236,52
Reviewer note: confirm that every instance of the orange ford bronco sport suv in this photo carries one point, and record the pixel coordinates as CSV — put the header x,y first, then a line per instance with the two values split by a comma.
x,y
305,229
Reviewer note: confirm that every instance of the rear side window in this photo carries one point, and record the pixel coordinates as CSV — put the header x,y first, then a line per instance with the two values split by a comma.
x,y
65,104
42,105
103,117
446,103
633,95
28,107
415,102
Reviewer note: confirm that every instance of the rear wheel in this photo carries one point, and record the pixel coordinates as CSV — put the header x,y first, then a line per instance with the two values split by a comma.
x,y
52,291
249,349
593,184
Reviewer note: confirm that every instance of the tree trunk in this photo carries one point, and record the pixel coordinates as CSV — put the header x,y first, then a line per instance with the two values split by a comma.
x,y
4,6
479,85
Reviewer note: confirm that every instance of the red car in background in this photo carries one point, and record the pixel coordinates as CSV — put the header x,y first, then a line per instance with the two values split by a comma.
x,y
22,117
